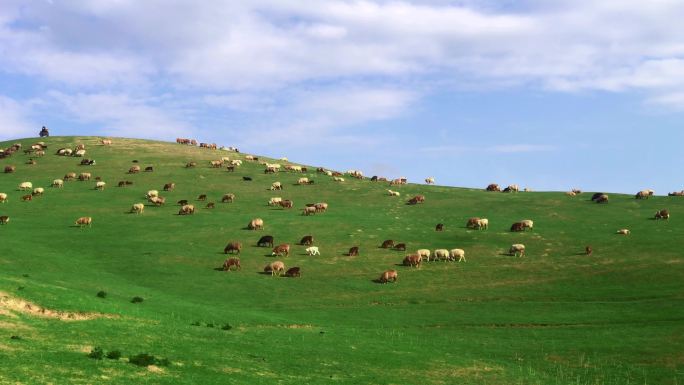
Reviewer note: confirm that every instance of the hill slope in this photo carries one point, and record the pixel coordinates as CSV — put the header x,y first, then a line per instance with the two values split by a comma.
x,y
552,317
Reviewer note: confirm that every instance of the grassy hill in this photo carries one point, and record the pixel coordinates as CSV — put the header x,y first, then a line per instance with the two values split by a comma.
x,y
554,316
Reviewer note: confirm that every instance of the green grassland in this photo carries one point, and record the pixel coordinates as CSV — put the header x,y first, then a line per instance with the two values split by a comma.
x,y
555,316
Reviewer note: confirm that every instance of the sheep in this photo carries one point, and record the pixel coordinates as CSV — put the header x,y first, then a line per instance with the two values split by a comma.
x,y
233,247
460,253
152,194
84,221
276,186
84,176
10,169
281,249
275,268
134,170
138,208
301,181
623,232
312,250
169,186
662,214
58,183
3,197
393,193
412,260
25,186
230,262
187,210
256,224
38,191
441,254
275,201
388,275
644,194
527,224
309,211
106,142
228,198
338,179
216,163
80,153
4,220
157,201
430,180
517,249
424,254
100,185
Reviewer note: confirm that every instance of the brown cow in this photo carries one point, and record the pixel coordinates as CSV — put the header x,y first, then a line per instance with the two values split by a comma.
x,y
281,249
413,260
157,201
230,262
439,227
307,240
202,197
518,226
228,198
662,214
588,250
84,221
286,204
473,222
274,268
211,205
10,169
169,186
321,207
256,224
400,246
388,244
293,272
354,251
4,220
603,198
233,247
493,187
26,198
389,275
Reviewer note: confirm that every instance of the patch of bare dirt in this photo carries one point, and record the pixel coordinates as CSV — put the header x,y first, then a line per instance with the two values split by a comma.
x,y
14,304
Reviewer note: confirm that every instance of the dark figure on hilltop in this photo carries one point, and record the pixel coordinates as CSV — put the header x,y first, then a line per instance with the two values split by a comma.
x,y
44,132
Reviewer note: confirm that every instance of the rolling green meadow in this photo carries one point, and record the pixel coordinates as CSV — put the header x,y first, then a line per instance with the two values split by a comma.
x,y
554,316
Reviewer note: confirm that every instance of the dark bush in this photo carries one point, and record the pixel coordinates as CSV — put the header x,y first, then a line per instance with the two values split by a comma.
x,y
137,299
142,359
102,294
114,355
97,353
226,327
196,323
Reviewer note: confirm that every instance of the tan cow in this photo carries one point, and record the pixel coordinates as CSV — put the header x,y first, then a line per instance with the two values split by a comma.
x,y
256,224
84,221
275,268
388,275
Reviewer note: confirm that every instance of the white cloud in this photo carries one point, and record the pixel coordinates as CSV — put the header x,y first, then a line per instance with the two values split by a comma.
x,y
14,120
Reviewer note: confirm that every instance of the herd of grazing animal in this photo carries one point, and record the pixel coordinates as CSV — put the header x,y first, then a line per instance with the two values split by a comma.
x,y
278,268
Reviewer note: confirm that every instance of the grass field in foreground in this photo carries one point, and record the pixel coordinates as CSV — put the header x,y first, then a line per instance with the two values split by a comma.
x,y
553,317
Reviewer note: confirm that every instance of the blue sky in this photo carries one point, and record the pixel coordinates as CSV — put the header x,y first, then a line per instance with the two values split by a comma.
x,y
546,94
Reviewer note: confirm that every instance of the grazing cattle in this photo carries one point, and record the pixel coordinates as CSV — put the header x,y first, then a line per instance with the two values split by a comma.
x,y
27,198
80,146
512,188
644,194
187,210
321,207
588,250
527,224
457,253
517,249
182,202
149,169
623,232
393,193
169,186
596,196
202,197
134,170
312,250
138,208
482,223
286,204
430,180
106,142
250,157
25,186
676,194
603,198
388,275
100,185
211,205
275,268
84,221
472,222
570,193
517,226
10,169
275,201
231,262
58,183
424,254
301,181
417,199
276,186
307,240
293,272
310,210
88,162
493,187
216,163
388,244
338,179
70,176
256,224
281,249
191,164
230,168
442,254
412,260
152,193
400,246
247,178
662,214
84,176
228,198
4,220
576,191
157,201
353,251
266,240
80,153
439,227
3,197
38,191
233,247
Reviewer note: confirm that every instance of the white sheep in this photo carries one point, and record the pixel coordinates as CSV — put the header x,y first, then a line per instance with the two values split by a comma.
x,y
527,223
312,250
441,254
100,185
338,179
424,253
151,194
430,180
138,208
460,253
3,197
393,193
275,201
623,231
303,181
517,249
38,191
25,186
58,183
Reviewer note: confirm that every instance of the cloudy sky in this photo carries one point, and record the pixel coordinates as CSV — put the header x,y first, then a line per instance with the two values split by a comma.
x,y
546,94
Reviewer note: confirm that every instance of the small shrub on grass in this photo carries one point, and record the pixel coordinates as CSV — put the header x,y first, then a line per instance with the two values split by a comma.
x,y
226,327
196,323
137,299
114,355
144,359
16,338
97,353
210,325
102,294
